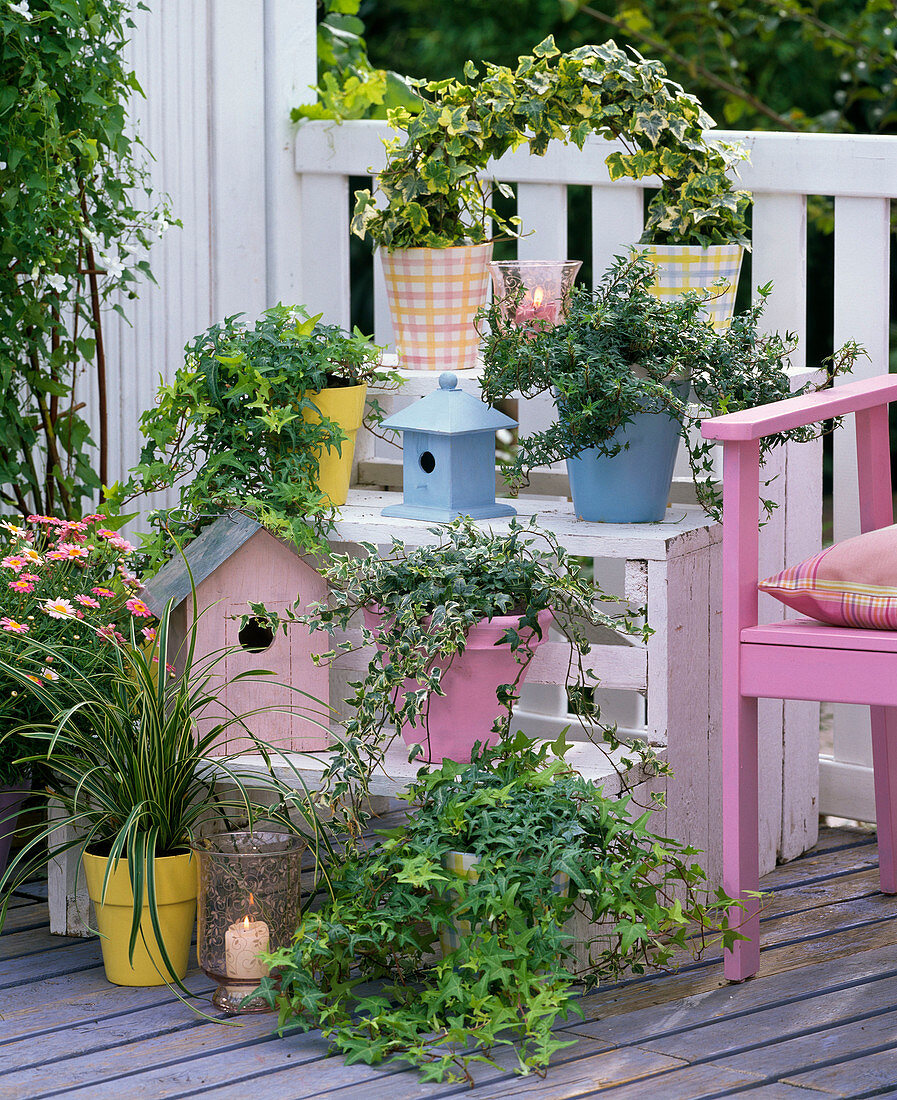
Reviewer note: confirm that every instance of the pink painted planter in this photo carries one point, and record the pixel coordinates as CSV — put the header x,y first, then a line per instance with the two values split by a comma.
x,y
464,715
11,801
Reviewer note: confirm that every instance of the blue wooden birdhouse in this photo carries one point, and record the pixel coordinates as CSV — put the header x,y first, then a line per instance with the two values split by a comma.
x,y
448,456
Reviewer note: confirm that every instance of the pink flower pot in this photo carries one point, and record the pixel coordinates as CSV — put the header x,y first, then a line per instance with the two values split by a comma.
x,y
454,722
11,801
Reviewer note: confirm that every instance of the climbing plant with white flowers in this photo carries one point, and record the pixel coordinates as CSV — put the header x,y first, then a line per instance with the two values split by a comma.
x,y
76,221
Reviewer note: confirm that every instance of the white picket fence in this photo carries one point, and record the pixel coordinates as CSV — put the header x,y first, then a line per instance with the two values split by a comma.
x,y
266,221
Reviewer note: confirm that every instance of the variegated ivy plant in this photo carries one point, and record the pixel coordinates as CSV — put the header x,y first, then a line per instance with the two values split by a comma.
x,y
431,191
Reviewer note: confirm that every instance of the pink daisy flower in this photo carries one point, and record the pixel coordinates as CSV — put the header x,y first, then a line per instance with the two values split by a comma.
x,y
30,555
103,593
34,679
13,561
105,533
121,544
21,586
50,675
87,601
12,626
71,550
58,609
138,608
149,632
33,577
107,631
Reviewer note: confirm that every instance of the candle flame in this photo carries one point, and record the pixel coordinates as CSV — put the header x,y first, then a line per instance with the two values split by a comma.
x,y
246,922
538,295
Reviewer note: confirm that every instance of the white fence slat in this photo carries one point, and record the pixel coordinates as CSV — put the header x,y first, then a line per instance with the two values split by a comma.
x,y
617,223
290,63
325,245
238,158
862,241
542,209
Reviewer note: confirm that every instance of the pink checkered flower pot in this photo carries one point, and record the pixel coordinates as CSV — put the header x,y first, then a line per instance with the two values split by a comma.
x,y
682,267
433,296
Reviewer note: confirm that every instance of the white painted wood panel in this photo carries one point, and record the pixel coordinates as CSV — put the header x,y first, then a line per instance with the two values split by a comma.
x,y
542,209
810,164
862,240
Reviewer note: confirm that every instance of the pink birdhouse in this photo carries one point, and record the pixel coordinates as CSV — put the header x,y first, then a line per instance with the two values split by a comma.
x,y
236,562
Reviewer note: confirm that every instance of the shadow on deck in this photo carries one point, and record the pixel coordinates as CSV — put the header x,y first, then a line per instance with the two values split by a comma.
x,y
820,1019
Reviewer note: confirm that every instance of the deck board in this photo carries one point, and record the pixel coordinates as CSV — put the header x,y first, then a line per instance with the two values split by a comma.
x,y
821,1019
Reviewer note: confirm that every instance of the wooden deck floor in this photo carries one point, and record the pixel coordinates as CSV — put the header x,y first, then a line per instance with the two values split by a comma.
x,y
820,1020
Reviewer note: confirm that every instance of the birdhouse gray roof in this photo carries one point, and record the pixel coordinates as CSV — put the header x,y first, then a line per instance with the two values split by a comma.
x,y
449,411
212,548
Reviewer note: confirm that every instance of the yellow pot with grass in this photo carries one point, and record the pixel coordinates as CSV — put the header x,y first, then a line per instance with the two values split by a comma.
x,y
176,903
344,405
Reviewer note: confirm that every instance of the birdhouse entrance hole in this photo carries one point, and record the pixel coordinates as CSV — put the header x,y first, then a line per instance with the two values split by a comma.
x,y
256,636
427,462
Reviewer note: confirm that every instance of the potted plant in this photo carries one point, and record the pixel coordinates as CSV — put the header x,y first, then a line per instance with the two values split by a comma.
x,y
133,790
527,818
454,626
434,217
60,580
261,418
621,367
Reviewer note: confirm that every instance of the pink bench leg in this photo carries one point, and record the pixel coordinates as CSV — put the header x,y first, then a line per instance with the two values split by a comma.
x,y
884,767
741,858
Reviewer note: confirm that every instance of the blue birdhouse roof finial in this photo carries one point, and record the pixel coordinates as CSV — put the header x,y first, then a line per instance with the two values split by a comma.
x,y
448,411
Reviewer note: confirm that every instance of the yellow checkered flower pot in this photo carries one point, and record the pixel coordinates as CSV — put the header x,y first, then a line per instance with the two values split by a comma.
x,y
433,296
690,267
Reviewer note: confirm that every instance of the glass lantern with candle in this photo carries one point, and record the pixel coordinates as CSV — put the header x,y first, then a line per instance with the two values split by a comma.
x,y
533,292
249,903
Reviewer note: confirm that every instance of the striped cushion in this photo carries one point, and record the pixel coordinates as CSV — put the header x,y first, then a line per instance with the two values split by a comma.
x,y
853,583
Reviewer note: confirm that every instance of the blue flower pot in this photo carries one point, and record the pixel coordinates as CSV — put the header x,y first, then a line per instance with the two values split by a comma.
x,y
634,485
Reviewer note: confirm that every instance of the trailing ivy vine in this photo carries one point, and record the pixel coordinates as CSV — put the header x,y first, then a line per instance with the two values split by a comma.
x,y
77,219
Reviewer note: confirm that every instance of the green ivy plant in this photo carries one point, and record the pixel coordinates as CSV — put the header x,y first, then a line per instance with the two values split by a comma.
x,y
431,192
429,598
620,352
349,87
229,429
527,817
78,219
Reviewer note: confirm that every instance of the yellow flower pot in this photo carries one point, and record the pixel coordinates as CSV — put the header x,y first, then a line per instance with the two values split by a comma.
x,y
344,405
682,267
176,902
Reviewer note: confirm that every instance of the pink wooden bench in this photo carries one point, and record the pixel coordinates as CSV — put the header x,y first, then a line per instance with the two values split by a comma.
x,y
796,658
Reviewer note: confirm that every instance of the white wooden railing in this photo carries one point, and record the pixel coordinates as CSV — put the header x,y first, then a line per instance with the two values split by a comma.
x,y
859,172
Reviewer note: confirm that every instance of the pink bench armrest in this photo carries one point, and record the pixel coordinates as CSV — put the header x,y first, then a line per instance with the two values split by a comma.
x,y
794,412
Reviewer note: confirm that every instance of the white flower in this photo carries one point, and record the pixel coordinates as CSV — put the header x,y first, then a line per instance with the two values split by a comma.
x,y
21,9
2,165
57,283
112,265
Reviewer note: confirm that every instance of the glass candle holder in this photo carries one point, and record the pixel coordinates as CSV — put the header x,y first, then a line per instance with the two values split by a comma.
x,y
248,903
533,291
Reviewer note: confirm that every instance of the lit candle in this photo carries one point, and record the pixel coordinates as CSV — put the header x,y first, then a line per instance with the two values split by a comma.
x,y
535,308
244,941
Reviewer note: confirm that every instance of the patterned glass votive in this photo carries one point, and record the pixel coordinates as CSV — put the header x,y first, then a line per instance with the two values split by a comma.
x,y
248,904
531,291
